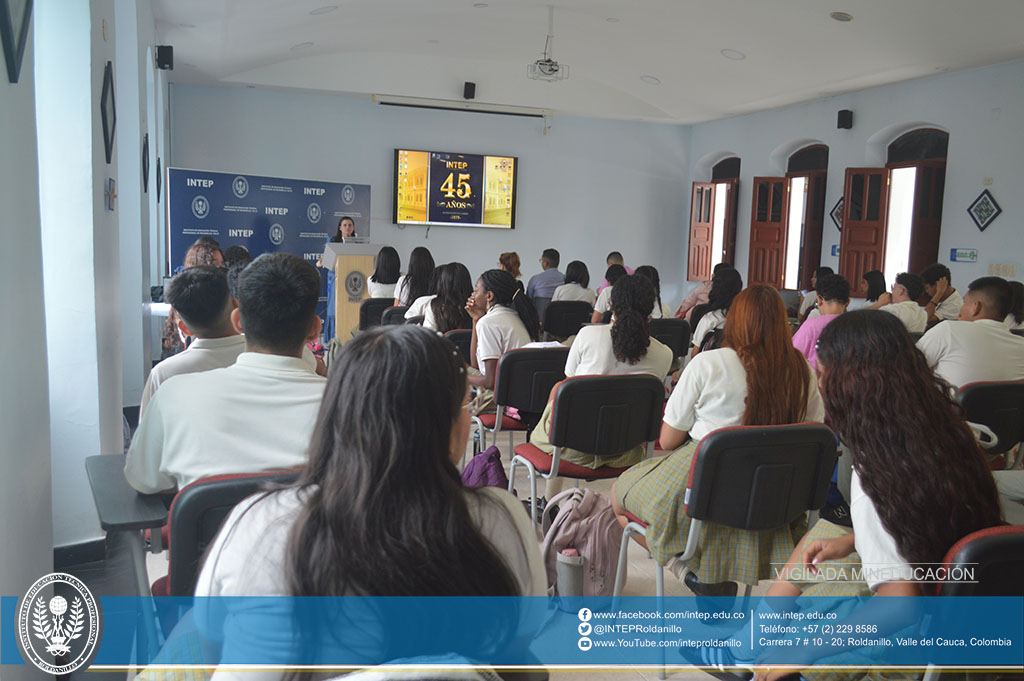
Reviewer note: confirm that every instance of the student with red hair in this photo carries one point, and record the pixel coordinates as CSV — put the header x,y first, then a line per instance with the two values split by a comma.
x,y
756,379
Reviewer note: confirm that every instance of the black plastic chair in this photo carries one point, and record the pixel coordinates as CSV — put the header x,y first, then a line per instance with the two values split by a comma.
x,y
564,318
675,333
462,339
417,320
1018,332
371,310
393,316
750,478
600,415
540,304
524,380
999,405
792,299
712,339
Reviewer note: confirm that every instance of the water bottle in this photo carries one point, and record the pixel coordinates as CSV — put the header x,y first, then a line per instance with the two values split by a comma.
x,y
569,573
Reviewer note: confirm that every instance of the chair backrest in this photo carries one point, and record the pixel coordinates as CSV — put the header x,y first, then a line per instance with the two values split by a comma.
x,y
526,376
1019,332
914,336
197,513
564,318
995,555
541,304
791,299
607,415
417,320
393,316
712,339
371,310
761,477
998,405
606,318
675,333
461,338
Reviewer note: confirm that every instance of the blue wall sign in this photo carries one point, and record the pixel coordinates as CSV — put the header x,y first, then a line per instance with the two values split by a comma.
x,y
963,255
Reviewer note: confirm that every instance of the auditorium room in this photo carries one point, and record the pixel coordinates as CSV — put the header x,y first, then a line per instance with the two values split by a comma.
x,y
709,314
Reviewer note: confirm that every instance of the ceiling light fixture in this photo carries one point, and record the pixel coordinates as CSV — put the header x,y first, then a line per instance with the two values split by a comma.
x,y
186,25
479,5
301,46
841,16
326,9
612,20
651,80
733,54
433,41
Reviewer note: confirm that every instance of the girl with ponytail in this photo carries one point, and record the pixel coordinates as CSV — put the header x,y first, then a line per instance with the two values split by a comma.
x,y
623,347
503,319
660,310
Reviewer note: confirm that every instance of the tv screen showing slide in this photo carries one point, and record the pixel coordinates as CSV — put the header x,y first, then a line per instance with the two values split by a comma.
x,y
460,190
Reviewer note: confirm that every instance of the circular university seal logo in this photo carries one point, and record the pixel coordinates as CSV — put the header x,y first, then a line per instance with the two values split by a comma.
x,y
240,186
59,633
314,213
276,234
355,284
348,194
200,207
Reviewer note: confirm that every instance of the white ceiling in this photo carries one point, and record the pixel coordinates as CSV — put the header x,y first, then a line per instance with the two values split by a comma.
x,y
426,48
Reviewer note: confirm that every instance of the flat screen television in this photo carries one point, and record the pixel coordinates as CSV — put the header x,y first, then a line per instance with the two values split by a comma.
x,y
455,190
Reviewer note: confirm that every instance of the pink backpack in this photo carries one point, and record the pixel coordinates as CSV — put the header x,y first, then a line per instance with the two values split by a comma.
x,y
584,521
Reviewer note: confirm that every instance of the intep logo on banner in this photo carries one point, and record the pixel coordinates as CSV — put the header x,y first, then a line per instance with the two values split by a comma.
x,y
276,234
240,186
200,207
314,213
59,634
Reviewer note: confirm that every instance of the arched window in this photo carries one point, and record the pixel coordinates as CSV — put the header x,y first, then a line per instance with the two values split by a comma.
x,y
713,220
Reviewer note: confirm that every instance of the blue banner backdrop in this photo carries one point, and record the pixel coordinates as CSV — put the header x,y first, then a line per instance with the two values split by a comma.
x,y
264,214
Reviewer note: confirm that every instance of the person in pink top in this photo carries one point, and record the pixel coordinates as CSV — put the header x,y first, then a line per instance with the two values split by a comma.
x,y
699,296
614,258
833,296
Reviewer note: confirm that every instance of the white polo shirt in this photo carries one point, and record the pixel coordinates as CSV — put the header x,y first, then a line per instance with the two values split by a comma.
x,y
878,553
255,415
913,316
497,332
712,394
966,352
950,307
709,322
574,291
379,290
204,354
604,300
591,354
419,307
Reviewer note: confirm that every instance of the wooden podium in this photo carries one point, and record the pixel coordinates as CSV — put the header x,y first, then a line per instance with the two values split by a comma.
x,y
352,265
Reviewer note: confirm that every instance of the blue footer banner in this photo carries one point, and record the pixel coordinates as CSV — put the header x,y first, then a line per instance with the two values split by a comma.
x,y
264,214
343,633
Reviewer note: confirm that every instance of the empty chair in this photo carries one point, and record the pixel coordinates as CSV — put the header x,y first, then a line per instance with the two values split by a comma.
x,y
675,333
564,318
600,415
462,339
371,310
999,405
393,316
524,381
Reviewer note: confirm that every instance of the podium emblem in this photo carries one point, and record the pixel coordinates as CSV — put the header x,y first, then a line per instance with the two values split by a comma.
x,y
59,634
355,284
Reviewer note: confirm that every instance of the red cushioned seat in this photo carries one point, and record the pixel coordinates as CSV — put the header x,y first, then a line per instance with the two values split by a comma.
x,y
633,519
161,587
542,462
507,422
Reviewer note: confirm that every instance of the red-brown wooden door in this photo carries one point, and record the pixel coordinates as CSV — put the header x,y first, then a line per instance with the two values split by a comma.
x,y
729,238
929,188
702,224
862,245
814,221
768,231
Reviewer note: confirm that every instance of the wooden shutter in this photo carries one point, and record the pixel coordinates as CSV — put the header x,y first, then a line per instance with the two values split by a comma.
x,y
862,246
702,209
924,235
814,219
729,238
768,231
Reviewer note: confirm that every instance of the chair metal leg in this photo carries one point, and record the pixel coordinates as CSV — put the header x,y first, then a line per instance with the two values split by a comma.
x,y
659,591
620,570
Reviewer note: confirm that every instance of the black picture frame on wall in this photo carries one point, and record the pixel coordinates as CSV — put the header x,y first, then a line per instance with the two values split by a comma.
x,y
145,163
159,178
15,16
108,110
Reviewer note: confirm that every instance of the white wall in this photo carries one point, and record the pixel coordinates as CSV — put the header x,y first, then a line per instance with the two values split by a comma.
x,y
587,187
25,532
982,109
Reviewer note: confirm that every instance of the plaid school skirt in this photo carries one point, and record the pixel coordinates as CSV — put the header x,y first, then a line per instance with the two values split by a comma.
x,y
540,439
653,491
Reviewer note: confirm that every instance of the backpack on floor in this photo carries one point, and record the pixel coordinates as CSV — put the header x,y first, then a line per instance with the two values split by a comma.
x,y
485,470
582,519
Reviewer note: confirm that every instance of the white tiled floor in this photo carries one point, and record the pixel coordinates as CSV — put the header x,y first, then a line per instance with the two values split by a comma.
x,y
639,583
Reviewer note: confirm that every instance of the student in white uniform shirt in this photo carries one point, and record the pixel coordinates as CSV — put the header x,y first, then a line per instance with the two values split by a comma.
x,y
386,272
577,279
902,302
926,444
253,416
660,310
978,346
944,302
201,297
447,310
725,286
503,319
1015,319
338,530
417,282
604,298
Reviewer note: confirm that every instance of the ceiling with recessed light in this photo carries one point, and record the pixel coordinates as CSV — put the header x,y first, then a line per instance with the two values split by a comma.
x,y
672,61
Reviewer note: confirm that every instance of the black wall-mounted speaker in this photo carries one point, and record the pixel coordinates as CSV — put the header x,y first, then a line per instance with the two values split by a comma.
x,y
468,90
165,57
845,119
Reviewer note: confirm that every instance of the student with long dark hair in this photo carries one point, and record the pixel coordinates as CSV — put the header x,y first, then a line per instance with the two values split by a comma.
x,y
380,509
725,286
876,285
757,379
447,311
386,271
577,281
811,298
661,310
604,298
623,347
416,281
503,319
870,367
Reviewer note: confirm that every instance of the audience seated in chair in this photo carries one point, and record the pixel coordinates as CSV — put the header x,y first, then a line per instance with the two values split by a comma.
x,y
418,281
603,304
833,294
661,310
577,279
543,285
757,379
698,296
252,416
808,304
944,302
978,346
446,310
503,319
725,286
902,302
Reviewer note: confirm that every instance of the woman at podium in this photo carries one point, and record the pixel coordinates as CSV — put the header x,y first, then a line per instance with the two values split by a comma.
x,y
346,231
